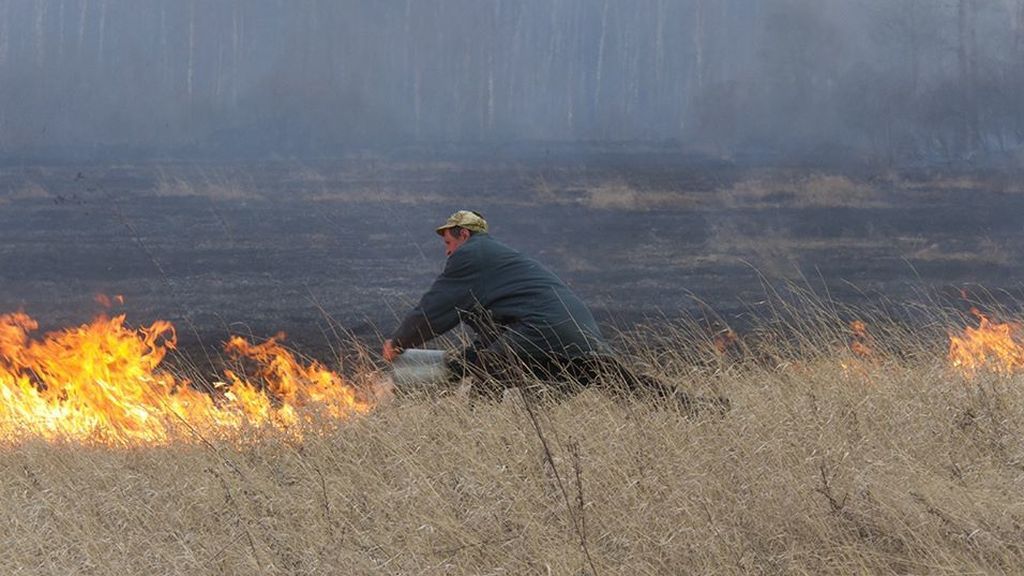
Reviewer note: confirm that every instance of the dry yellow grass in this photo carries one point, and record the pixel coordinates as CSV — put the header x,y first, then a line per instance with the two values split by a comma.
x,y
813,190
28,191
615,194
222,190
962,183
758,191
826,464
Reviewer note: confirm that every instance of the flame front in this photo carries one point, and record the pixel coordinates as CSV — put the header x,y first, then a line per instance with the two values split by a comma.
x,y
992,345
861,344
102,382
724,341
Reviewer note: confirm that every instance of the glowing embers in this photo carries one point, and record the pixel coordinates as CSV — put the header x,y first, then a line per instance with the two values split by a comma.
x,y
103,383
725,341
991,346
861,343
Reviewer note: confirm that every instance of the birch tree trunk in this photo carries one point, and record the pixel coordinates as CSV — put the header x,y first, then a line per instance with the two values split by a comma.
x,y
5,33
162,56
190,71
966,61
60,34
236,51
83,16
698,46
102,34
571,80
915,49
1018,32
38,42
491,64
659,42
599,74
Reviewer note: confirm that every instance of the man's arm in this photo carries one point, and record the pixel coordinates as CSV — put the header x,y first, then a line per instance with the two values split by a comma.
x,y
438,310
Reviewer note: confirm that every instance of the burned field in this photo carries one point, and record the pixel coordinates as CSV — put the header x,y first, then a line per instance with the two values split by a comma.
x,y
317,248
875,427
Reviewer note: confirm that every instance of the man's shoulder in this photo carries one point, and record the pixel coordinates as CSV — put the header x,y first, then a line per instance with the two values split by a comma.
x,y
479,245
487,244
483,251
469,256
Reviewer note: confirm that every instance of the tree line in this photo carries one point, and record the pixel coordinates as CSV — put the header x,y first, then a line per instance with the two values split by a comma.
x,y
879,78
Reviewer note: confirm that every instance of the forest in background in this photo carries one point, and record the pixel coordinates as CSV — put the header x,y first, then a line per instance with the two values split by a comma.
x,y
903,80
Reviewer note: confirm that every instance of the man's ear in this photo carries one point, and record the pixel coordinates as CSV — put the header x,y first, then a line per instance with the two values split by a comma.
x,y
464,234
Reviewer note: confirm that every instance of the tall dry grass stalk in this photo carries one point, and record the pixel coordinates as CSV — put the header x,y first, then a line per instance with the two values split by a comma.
x,y
828,462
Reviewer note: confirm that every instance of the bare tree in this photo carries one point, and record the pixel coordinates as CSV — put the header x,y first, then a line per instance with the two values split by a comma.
x,y
5,32
102,34
966,58
190,66
599,72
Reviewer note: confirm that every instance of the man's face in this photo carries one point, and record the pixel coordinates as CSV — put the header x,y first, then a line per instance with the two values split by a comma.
x,y
452,241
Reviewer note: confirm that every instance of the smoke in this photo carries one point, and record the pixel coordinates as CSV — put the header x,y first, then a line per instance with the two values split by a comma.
x,y
869,78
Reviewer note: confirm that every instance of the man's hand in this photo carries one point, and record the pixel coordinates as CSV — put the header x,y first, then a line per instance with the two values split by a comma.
x,y
390,351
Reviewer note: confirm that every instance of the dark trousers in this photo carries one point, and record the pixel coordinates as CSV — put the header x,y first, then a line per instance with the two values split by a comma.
x,y
495,369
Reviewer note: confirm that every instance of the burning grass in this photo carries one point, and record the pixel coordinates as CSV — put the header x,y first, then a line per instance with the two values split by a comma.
x,y
856,444
104,383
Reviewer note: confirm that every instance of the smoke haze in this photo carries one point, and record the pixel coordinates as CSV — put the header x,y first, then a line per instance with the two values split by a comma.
x,y
907,79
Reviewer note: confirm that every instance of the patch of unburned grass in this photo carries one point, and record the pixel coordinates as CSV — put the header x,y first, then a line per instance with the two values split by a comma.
x,y
225,190
26,191
621,196
613,194
1005,184
773,189
806,190
366,195
985,250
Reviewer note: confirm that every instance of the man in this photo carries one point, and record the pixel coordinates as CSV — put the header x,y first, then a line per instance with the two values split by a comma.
x,y
525,318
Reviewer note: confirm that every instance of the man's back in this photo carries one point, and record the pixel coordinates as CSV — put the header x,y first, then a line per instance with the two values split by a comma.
x,y
501,293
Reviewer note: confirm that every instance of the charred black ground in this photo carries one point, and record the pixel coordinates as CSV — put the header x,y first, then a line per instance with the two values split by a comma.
x,y
314,247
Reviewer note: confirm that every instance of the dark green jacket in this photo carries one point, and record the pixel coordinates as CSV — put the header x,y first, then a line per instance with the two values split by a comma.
x,y
503,295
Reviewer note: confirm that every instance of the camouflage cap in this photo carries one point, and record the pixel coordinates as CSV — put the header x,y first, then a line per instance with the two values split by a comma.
x,y
467,219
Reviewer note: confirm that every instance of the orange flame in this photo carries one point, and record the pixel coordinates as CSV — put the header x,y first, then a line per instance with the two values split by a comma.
x,y
861,344
992,345
863,347
102,382
724,341
107,301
